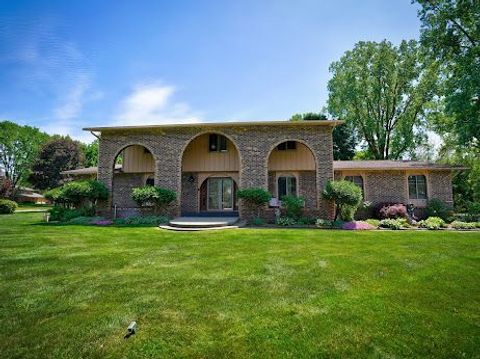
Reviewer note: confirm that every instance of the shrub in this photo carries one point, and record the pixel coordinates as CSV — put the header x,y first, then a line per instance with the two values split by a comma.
x,y
473,212
324,223
293,206
257,221
255,198
357,225
306,220
142,220
103,222
158,197
7,206
286,221
391,210
438,208
390,223
63,214
463,225
76,193
373,222
432,223
347,197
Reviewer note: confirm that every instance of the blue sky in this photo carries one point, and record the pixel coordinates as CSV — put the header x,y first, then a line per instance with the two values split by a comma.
x,y
69,64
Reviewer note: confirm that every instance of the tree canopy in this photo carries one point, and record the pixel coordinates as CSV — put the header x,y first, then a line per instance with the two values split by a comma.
x,y
384,93
19,147
57,155
343,136
450,33
90,152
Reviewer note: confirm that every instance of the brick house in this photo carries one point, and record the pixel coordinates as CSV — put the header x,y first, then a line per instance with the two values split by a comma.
x,y
206,164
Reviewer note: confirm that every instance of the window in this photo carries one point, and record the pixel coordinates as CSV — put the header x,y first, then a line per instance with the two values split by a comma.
x,y
417,187
358,180
217,143
150,181
287,186
288,145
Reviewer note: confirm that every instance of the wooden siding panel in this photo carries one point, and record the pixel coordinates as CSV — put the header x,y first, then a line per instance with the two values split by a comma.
x,y
197,157
300,159
137,159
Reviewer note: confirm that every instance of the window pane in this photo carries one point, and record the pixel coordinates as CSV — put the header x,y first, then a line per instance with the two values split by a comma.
x,y
282,187
412,187
292,186
213,142
421,187
223,143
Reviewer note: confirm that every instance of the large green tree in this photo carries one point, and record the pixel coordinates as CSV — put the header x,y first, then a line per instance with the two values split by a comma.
x,y
343,136
57,155
450,33
384,92
19,146
90,152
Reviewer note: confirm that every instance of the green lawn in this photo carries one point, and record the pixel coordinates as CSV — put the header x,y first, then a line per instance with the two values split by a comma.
x,y
71,291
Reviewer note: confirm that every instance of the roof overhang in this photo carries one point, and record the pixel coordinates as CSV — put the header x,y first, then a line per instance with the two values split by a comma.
x,y
331,123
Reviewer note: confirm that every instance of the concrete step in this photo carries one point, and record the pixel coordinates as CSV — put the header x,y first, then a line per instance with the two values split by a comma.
x,y
196,229
203,222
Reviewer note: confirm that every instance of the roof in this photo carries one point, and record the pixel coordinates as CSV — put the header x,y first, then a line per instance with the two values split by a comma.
x,y
85,171
373,165
221,124
381,165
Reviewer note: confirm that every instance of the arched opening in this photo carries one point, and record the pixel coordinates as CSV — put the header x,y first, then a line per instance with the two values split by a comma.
x,y
134,166
210,173
292,172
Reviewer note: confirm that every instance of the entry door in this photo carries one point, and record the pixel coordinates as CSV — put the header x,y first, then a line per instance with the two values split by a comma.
x,y
220,194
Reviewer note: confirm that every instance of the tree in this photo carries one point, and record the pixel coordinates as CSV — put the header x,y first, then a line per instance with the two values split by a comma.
x,y
343,136
347,197
450,33
55,156
384,93
19,146
90,152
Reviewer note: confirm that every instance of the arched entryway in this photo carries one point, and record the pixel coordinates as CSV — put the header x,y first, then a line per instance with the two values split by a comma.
x,y
292,172
210,174
134,166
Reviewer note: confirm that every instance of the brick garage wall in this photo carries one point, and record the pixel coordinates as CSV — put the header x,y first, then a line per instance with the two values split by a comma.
x,y
254,144
440,186
189,192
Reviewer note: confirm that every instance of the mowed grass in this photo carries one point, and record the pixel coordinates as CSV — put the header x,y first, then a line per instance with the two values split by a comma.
x,y
71,291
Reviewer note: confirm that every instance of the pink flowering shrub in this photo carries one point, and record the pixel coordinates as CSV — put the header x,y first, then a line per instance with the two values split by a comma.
x,y
357,225
397,210
103,222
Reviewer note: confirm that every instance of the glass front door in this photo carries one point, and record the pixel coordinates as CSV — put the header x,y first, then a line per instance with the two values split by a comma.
x,y
220,194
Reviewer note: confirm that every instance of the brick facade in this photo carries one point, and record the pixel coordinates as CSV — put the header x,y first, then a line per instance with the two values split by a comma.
x,y
254,144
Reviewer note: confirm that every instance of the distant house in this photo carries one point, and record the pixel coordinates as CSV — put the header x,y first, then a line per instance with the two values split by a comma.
x,y
28,195
206,164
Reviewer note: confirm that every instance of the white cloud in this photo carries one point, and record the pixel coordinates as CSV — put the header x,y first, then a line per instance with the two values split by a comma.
x,y
74,100
152,104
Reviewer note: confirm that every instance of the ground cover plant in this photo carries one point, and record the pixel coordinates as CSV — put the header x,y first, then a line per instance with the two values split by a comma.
x,y
71,291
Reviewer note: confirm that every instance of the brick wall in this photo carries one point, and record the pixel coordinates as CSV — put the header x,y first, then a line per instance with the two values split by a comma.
x,y
440,186
254,144
189,192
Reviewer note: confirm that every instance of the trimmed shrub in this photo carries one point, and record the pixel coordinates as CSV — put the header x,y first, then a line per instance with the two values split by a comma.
x,y
286,221
254,197
76,193
293,206
463,225
306,220
432,223
63,214
7,206
390,223
357,225
373,222
257,221
347,197
438,208
391,210
142,220
158,197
